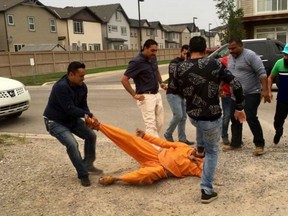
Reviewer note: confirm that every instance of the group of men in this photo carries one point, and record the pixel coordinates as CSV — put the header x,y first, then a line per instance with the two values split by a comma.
x,y
193,89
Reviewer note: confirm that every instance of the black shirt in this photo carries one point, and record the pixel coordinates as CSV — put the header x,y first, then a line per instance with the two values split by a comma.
x,y
199,81
173,86
144,74
67,103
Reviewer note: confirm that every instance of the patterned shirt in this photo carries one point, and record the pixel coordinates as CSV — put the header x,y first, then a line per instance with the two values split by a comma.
x,y
172,82
199,81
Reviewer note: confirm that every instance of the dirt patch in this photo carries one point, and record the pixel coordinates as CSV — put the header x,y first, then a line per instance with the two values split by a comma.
x,y
37,178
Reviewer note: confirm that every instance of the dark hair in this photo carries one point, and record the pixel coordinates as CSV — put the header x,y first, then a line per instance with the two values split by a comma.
x,y
185,47
236,40
149,43
74,66
197,44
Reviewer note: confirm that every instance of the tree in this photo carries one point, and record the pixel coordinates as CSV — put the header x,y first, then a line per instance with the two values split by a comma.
x,y
231,17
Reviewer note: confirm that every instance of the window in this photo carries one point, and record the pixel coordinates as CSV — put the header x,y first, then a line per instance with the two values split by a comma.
x,y
118,16
147,32
84,46
10,20
123,31
31,24
112,28
78,27
17,47
97,47
52,23
271,5
74,46
279,33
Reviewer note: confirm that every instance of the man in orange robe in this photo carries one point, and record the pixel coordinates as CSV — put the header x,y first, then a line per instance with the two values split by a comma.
x,y
175,159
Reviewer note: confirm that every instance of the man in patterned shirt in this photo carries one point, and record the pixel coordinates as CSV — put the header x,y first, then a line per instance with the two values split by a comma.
x,y
199,79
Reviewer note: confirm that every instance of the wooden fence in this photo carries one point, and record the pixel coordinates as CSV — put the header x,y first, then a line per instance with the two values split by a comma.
x,y
36,63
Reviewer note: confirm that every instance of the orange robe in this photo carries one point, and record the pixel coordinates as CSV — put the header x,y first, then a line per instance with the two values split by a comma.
x,y
173,157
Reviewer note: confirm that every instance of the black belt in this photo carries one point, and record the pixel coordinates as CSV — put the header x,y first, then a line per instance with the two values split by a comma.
x,y
150,92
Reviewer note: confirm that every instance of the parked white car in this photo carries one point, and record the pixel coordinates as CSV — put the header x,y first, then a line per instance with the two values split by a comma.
x,y
14,98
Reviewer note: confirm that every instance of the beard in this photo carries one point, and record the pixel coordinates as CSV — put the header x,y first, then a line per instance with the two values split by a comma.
x,y
286,63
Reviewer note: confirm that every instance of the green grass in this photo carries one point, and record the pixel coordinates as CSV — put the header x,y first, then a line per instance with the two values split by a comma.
x,y
41,79
7,140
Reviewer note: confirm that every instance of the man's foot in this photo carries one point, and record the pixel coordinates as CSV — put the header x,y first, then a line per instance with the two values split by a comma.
x,y
93,170
276,138
85,181
169,138
200,153
227,148
207,198
188,142
107,180
225,141
259,151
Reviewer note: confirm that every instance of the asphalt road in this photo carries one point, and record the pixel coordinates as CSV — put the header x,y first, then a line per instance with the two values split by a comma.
x,y
111,104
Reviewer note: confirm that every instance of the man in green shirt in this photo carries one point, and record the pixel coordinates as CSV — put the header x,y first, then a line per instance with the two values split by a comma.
x,y
280,69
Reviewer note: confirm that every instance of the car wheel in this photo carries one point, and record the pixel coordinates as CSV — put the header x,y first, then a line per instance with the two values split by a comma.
x,y
14,115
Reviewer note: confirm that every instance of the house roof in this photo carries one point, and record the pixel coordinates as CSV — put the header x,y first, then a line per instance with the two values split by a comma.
x,y
69,12
42,47
105,12
134,23
179,28
191,26
156,25
7,4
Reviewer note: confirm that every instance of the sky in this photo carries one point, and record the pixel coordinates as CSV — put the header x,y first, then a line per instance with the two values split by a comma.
x,y
165,11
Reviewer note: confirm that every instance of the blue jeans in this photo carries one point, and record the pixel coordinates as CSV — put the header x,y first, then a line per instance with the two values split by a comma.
x,y
226,106
178,108
252,102
65,136
208,135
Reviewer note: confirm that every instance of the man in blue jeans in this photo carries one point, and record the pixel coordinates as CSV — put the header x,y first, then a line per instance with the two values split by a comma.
x,y
66,106
199,79
248,68
177,102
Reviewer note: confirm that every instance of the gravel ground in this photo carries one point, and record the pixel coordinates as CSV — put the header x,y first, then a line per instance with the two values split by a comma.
x,y
37,178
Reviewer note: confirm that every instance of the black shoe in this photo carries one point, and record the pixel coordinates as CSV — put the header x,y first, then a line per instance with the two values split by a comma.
x,y
207,198
276,138
169,138
93,170
85,181
188,142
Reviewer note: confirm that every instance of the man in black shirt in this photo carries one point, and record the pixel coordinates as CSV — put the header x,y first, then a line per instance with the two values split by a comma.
x,y
176,102
66,106
199,79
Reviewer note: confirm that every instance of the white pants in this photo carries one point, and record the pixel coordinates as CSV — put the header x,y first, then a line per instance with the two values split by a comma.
x,y
152,113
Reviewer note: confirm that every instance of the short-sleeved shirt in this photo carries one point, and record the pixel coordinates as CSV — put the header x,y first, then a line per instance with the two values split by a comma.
x,y
280,70
144,74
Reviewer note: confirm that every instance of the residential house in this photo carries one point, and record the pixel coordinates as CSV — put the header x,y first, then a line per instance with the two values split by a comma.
x,y
265,18
78,28
115,26
158,33
185,34
26,22
139,34
213,39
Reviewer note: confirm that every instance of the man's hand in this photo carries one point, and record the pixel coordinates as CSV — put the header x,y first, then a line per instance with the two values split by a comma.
x,y
140,133
164,86
265,95
240,116
91,123
139,97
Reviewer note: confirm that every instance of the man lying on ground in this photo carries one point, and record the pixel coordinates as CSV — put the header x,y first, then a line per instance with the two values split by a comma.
x,y
176,159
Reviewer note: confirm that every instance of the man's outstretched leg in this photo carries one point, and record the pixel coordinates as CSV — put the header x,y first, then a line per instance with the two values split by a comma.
x,y
145,175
